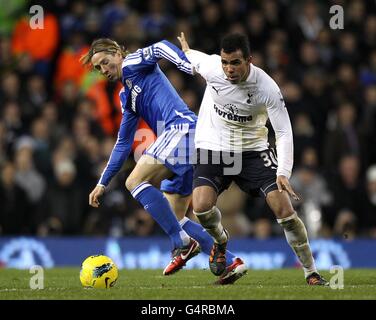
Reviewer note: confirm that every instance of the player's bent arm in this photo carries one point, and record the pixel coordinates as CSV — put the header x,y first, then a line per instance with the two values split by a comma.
x,y
147,58
281,124
197,58
122,147
167,50
203,63
190,61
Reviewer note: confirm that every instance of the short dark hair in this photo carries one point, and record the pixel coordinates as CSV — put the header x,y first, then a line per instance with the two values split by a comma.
x,y
236,41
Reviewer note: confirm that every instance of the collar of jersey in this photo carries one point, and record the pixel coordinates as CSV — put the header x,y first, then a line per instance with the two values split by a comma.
x,y
252,75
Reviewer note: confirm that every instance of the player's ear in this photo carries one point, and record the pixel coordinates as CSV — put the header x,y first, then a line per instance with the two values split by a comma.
x,y
118,55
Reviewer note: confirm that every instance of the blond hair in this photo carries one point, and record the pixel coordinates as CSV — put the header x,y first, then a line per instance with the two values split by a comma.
x,y
103,45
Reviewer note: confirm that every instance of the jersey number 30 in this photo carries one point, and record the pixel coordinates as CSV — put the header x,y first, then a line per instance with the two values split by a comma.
x,y
269,159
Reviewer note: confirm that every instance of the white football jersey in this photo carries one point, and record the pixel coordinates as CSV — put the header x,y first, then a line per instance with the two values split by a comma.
x,y
233,117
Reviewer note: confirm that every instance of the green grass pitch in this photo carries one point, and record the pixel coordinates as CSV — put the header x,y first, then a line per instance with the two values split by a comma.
x,y
64,283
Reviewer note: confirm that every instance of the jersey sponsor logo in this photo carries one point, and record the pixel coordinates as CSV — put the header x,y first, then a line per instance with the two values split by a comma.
x,y
128,83
231,113
231,108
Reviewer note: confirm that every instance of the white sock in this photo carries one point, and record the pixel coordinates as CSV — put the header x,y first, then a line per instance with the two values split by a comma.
x,y
211,221
184,237
183,234
183,221
296,235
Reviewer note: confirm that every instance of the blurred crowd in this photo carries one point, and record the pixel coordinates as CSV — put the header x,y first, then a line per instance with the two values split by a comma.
x,y
59,120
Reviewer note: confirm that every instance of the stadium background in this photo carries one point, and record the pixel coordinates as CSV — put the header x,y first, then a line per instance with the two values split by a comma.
x,y
58,123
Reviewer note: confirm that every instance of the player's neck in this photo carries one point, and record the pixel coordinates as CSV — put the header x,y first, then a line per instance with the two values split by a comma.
x,y
246,74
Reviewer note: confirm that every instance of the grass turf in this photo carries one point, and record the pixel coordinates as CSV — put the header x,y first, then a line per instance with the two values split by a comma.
x,y
64,283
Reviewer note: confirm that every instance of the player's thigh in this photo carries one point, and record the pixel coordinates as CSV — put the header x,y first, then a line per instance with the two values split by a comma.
x,y
280,204
209,179
258,174
147,169
179,203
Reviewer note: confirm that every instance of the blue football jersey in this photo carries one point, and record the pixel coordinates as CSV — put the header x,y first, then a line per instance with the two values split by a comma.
x,y
147,94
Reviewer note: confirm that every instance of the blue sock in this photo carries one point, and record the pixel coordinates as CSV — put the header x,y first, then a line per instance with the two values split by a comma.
x,y
198,232
157,205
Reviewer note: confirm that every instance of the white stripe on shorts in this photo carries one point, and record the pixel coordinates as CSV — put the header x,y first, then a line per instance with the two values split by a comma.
x,y
156,144
167,141
174,141
161,142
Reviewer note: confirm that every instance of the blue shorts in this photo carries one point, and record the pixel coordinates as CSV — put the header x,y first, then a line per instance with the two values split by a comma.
x,y
175,149
179,184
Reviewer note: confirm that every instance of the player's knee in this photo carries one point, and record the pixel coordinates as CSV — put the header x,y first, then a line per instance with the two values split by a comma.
x,y
202,205
132,182
284,212
203,200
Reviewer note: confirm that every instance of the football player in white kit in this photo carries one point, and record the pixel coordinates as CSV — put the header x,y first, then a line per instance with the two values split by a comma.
x,y
231,143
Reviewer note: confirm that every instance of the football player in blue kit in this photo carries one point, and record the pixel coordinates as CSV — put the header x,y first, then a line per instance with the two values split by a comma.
x,y
167,163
